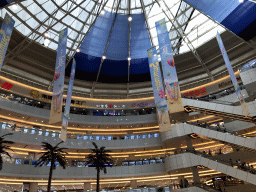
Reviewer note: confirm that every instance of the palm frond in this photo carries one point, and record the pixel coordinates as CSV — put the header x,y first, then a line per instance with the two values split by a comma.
x,y
99,157
52,154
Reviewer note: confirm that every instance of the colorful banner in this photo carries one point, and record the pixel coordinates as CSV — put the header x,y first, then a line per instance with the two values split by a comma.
x,y
58,85
5,36
169,71
232,75
159,94
63,135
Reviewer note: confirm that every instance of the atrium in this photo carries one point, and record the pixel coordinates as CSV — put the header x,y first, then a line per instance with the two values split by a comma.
x,y
167,86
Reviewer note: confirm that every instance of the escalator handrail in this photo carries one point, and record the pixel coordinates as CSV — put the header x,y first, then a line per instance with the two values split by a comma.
x,y
210,100
214,128
215,158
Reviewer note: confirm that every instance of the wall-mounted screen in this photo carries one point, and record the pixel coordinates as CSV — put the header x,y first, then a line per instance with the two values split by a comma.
x,y
124,163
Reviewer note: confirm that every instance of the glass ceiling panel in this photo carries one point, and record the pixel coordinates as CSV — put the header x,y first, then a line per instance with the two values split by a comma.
x,y
34,17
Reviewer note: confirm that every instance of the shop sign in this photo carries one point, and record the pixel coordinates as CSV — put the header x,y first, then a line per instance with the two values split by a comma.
x,y
142,104
34,94
7,86
196,93
110,106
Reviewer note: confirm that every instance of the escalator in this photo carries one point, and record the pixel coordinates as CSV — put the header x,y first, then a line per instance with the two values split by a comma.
x,y
192,158
218,108
206,187
225,136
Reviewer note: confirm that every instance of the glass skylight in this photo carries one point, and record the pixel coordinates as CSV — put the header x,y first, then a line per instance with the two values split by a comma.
x,y
33,18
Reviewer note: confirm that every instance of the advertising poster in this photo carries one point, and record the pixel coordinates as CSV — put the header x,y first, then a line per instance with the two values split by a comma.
x,y
159,93
58,82
232,75
169,71
5,36
63,135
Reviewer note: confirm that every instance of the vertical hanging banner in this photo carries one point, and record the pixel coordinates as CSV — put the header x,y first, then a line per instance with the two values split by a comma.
x,y
5,36
158,89
232,75
58,84
63,135
169,71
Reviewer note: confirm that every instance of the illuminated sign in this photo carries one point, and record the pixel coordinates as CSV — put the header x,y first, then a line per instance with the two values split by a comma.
x,y
7,85
196,93
34,94
142,104
110,106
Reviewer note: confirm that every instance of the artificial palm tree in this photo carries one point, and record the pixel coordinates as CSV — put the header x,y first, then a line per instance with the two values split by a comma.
x,y
98,158
3,148
52,155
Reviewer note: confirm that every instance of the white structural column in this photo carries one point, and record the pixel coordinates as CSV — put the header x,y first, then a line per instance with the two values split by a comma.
x,y
189,142
196,177
87,186
33,187
134,184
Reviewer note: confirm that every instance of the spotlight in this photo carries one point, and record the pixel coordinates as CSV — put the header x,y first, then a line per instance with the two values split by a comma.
x,y
129,18
15,6
46,42
77,50
47,34
129,58
103,57
241,1
102,12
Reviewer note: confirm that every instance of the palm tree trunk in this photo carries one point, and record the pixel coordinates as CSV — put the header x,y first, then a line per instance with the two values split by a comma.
x,y
98,180
50,177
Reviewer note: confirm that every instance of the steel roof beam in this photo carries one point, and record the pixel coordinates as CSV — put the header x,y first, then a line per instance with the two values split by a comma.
x,y
248,43
129,46
146,19
186,40
106,47
79,33
90,26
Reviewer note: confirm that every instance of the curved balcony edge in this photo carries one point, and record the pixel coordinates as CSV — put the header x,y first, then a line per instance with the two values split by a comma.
x,y
32,139
82,119
10,169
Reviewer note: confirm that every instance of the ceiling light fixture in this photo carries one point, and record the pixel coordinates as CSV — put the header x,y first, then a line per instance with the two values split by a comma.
x,y
77,50
15,6
103,57
129,58
47,34
241,1
129,18
102,12
46,42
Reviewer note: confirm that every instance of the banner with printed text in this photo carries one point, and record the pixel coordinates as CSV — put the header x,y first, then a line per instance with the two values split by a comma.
x,y
5,36
169,71
232,75
58,82
63,135
158,89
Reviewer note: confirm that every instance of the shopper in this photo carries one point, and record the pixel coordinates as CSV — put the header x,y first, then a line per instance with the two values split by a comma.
x,y
231,162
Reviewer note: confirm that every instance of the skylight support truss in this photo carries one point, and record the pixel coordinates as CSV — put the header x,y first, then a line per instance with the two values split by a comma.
x,y
129,47
146,19
246,42
105,51
80,34
183,22
185,38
